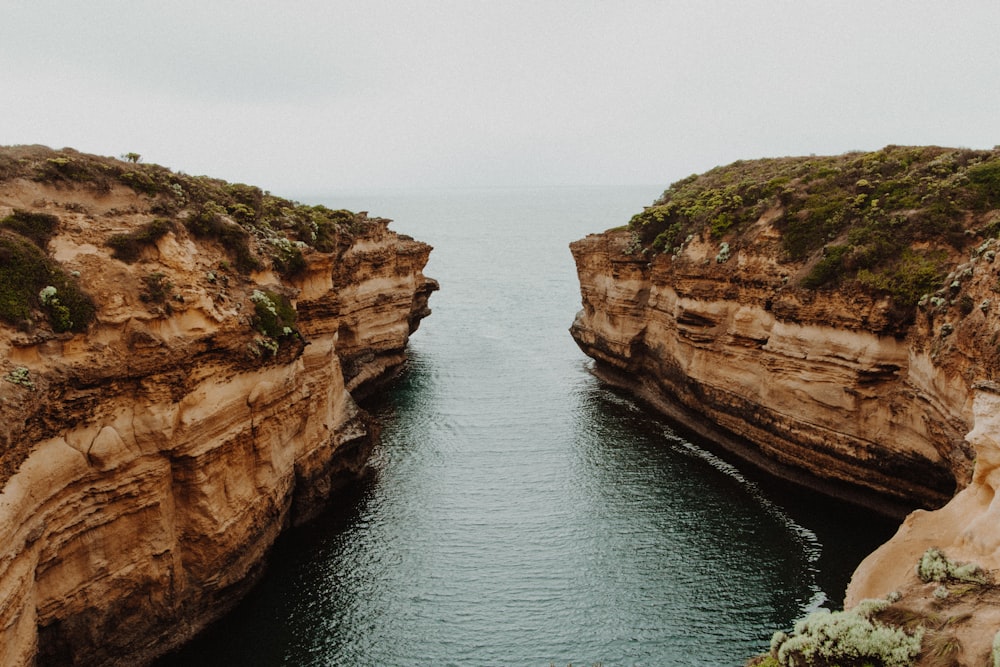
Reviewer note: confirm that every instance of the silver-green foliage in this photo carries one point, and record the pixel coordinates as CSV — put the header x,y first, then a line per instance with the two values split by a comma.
x,y
20,376
935,566
853,636
996,650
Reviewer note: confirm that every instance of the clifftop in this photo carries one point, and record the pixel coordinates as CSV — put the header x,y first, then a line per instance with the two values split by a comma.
x,y
886,225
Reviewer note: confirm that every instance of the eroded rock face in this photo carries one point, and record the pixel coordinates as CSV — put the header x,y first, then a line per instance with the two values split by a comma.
x,y
163,452
820,386
967,529
819,382
797,382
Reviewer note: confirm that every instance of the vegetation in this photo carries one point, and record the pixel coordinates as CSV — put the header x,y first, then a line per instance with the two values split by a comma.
x,y
853,637
255,227
210,222
157,288
38,227
128,247
275,315
935,566
884,221
20,376
32,282
889,633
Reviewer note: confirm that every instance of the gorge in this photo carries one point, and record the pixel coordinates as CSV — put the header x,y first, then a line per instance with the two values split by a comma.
x,y
182,358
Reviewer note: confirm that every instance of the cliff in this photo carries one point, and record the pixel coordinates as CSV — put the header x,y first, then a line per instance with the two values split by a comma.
x,y
179,357
832,319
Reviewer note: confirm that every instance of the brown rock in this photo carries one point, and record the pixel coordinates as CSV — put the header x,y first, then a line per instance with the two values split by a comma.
x,y
158,455
812,387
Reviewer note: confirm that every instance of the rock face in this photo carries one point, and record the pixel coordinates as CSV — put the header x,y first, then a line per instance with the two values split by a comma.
x,y
967,530
775,327
156,456
796,382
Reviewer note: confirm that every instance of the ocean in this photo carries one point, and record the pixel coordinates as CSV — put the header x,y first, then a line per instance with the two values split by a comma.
x,y
519,511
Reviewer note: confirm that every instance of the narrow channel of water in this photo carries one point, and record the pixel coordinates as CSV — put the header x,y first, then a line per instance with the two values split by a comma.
x,y
520,512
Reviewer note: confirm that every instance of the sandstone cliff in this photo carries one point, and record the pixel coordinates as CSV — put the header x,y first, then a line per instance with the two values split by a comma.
x,y
175,394
829,319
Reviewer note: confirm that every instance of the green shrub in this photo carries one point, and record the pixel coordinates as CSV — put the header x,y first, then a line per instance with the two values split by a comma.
x,y
908,277
208,222
20,376
317,226
39,227
141,181
986,178
69,166
128,247
287,257
275,315
828,269
25,273
59,314
246,201
157,288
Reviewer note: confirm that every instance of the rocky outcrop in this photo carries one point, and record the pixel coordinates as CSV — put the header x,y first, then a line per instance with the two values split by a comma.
x,y
833,320
155,457
808,385
966,530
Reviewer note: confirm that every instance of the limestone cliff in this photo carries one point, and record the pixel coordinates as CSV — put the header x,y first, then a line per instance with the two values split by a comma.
x,y
829,319
176,393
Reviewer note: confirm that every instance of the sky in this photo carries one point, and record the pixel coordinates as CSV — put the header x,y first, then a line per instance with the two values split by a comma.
x,y
311,97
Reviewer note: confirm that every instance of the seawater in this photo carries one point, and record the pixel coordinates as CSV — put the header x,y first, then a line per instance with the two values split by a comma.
x,y
520,512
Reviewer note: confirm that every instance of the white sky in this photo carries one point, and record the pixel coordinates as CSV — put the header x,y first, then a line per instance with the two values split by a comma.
x,y
311,96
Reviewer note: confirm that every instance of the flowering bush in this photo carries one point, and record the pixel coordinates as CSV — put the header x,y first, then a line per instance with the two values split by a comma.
x,y
843,638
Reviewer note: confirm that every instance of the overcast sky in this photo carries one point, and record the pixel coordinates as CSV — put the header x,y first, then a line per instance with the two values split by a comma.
x,y
309,96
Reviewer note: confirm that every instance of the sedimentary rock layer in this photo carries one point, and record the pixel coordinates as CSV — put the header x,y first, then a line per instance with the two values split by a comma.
x,y
802,381
160,453
833,320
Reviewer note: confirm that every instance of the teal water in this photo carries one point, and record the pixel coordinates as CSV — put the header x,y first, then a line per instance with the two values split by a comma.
x,y
519,512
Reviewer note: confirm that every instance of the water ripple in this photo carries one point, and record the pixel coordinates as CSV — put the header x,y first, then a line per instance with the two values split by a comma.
x,y
520,513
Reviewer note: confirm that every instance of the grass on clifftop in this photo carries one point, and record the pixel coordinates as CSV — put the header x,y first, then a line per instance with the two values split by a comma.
x,y
256,227
884,220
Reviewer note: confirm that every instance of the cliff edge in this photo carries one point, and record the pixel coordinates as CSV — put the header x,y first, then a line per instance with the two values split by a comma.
x,y
179,358
832,319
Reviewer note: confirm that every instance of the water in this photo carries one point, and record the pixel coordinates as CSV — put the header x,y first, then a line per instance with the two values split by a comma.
x,y
520,512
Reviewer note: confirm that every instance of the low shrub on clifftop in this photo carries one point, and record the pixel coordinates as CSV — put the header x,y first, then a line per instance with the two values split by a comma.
x,y
882,220
209,222
254,226
855,637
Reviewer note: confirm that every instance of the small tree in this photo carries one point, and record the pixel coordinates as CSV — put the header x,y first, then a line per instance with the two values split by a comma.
x,y
131,157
